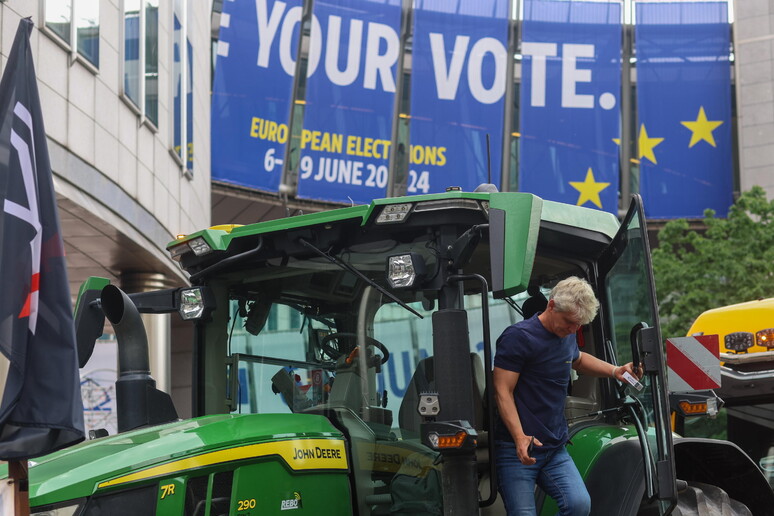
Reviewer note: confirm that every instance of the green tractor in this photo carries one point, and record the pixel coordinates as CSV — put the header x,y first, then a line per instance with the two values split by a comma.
x,y
342,365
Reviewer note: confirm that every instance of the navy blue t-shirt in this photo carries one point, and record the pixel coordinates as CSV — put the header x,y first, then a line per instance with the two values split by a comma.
x,y
543,361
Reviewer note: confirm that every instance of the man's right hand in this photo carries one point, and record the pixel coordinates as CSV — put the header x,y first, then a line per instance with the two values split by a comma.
x,y
524,446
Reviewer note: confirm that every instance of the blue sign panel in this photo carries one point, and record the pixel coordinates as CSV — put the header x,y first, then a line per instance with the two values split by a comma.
x,y
252,89
571,83
458,81
684,108
350,92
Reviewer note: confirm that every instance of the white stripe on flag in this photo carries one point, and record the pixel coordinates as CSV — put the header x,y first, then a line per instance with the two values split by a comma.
x,y
225,20
675,382
699,355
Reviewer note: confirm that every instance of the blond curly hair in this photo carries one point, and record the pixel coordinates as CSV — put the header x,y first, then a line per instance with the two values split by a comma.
x,y
575,295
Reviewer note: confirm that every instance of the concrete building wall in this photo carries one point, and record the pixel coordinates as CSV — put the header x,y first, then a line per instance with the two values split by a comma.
x,y
106,156
754,54
123,194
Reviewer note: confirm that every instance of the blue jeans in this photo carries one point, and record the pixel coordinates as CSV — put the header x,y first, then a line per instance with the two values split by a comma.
x,y
554,472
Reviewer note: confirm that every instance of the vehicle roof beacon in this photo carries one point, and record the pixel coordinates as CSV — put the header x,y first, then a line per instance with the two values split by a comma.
x,y
486,187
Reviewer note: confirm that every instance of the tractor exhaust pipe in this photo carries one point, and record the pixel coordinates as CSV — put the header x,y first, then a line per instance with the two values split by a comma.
x,y
138,401
130,332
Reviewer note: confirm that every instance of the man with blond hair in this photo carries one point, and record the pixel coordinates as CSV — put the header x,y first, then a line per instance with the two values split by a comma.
x,y
531,376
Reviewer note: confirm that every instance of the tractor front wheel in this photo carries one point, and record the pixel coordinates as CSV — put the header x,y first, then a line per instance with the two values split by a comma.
x,y
707,500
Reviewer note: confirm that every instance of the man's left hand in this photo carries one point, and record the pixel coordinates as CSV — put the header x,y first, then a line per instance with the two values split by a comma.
x,y
619,371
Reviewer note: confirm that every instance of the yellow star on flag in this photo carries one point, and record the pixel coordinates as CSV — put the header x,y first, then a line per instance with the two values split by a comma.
x,y
646,144
701,128
589,190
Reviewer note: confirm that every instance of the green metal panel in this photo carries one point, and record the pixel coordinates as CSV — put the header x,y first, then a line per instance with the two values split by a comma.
x,y
219,239
520,229
577,216
171,497
78,471
270,488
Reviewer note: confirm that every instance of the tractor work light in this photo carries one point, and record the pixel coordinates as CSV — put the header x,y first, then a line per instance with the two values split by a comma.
x,y
199,246
739,341
175,252
405,270
765,338
393,213
191,304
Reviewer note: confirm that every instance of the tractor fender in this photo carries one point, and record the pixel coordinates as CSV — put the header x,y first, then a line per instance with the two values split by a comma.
x,y
615,480
725,465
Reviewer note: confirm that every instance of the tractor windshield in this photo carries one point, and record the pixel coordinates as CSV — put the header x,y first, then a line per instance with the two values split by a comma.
x,y
310,336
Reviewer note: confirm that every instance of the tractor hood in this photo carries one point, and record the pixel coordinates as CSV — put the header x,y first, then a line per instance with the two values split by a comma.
x,y
81,470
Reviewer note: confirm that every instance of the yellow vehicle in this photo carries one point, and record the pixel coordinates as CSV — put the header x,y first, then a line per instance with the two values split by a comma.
x,y
743,328
746,334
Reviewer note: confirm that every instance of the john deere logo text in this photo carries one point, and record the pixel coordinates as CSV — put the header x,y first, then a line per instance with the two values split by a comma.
x,y
316,453
291,503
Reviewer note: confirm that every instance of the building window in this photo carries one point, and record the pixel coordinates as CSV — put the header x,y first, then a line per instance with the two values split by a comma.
x,y
141,56
183,89
75,21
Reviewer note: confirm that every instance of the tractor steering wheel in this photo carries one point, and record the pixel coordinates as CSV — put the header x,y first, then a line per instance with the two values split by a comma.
x,y
337,352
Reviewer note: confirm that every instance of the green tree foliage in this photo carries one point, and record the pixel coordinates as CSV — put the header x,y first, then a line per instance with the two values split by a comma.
x,y
729,262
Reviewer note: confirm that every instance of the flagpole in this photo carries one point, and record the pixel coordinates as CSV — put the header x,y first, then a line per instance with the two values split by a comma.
x,y
17,470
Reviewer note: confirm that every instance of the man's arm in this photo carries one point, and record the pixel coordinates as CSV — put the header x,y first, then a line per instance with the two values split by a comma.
x,y
592,366
504,384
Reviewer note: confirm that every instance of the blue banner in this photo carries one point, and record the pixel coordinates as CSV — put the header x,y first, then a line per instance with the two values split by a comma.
x,y
571,83
251,91
684,108
458,81
350,92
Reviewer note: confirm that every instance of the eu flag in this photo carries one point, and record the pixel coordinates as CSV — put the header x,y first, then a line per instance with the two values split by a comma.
x,y
40,399
684,108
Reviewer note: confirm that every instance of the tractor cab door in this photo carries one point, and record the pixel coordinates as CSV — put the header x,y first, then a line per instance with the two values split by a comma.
x,y
627,289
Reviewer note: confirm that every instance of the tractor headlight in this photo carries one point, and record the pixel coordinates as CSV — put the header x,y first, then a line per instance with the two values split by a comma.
x,y
405,270
193,303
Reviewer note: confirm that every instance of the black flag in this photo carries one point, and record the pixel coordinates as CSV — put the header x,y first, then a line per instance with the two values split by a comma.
x,y
40,400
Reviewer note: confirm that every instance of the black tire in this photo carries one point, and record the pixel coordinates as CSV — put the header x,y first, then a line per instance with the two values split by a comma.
x,y
707,500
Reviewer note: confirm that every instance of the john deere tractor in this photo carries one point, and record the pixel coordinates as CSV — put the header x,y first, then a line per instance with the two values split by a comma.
x,y
342,365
